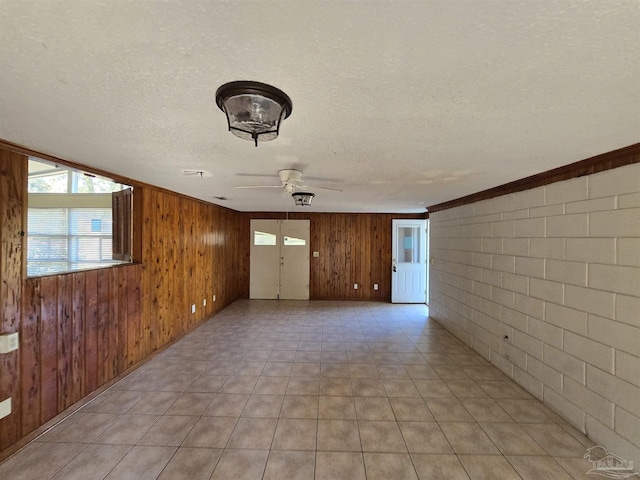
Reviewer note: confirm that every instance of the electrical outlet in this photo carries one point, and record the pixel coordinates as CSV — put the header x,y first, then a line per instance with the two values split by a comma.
x,y
5,408
193,308
375,286
355,286
204,302
316,254
9,342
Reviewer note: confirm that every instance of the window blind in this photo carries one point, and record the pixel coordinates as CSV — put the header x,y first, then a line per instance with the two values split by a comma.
x,y
63,239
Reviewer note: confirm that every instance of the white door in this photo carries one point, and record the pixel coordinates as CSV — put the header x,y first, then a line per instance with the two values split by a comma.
x,y
279,264
409,257
294,256
265,259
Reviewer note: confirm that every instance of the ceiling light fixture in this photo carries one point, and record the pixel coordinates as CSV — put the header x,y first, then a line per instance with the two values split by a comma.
x,y
302,199
254,110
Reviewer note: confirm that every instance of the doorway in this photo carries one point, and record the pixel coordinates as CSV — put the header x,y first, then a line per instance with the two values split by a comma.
x,y
409,257
279,263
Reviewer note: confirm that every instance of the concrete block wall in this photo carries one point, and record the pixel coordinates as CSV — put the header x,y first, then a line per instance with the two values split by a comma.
x,y
545,284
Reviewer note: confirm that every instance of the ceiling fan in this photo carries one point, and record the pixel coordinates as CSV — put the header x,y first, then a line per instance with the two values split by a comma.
x,y
291,181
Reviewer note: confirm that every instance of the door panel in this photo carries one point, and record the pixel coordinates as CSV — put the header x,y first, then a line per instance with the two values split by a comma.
x,y
265,259
294,268
409,269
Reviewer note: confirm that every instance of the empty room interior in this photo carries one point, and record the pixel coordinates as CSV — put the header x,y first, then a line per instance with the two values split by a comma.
x,y
319,240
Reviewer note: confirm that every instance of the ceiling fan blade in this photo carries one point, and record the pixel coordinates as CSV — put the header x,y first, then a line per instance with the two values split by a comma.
x,y
314,178
326,188
291,182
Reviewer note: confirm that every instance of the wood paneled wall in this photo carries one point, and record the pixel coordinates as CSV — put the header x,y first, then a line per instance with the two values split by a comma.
x,y
353,248
190,252
80,330
13,186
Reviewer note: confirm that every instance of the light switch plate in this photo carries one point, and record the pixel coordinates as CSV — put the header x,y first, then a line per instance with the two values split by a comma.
x,y
9,342
5,408
316,254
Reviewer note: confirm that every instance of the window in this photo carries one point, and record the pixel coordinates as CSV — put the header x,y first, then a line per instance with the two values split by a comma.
x,y
264,238
294,241
408,245
70,220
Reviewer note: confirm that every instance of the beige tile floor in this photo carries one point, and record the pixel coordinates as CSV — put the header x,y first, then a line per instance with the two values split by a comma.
x,y
310,390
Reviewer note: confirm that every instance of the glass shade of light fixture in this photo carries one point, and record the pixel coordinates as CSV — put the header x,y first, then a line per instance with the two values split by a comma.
x,y
302,199
254,110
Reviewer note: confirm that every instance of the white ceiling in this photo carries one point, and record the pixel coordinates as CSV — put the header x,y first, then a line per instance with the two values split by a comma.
x,y
400,104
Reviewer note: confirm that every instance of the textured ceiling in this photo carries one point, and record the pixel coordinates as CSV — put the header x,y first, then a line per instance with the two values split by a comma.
x,y
400,104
